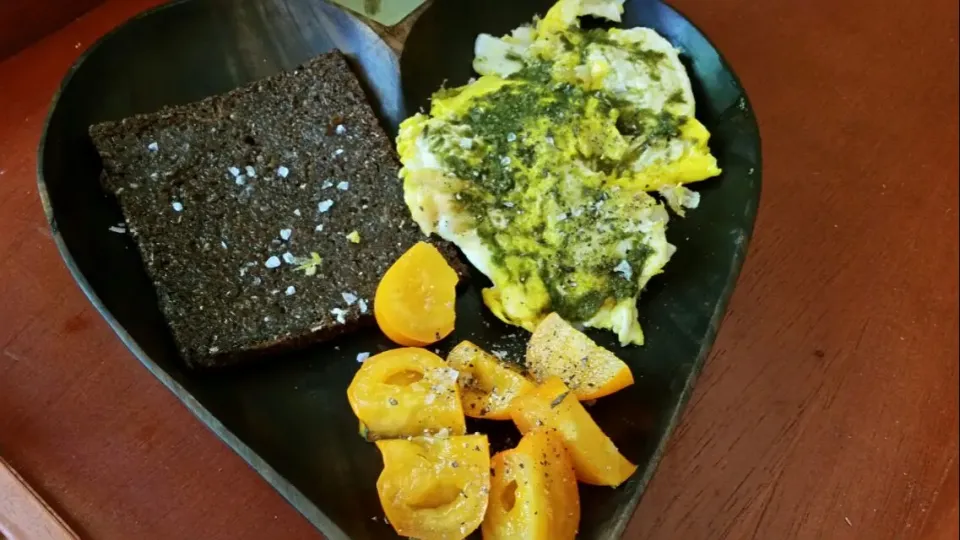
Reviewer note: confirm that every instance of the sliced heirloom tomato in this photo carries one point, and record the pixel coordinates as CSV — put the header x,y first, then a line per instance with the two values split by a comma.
x,y
406,392
416,299
435,488
595,458
557,349
533,491
487,385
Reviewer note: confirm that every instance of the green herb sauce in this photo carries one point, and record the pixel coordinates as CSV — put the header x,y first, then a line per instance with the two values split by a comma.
x,y
507,158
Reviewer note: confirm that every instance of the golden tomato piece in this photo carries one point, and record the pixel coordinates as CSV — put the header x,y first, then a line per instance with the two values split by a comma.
x,y
487,385
533,491
406,392
595,458
435,488
416,299
558,349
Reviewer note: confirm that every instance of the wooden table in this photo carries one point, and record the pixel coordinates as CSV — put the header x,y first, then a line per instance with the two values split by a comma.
x,y
828,408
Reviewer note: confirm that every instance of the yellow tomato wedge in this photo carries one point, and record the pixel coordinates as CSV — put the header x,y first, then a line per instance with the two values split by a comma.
x,y
406,392
415,301
435,488
558,349
533,491
595,458
487,385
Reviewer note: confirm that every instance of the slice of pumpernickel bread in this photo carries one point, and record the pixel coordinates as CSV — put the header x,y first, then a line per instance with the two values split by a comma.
x,y
229,197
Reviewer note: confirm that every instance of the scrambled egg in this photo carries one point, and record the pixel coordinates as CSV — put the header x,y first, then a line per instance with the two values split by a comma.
x,y
542,170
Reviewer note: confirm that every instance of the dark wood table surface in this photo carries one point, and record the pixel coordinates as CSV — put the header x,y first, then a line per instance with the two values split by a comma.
x,y
828,408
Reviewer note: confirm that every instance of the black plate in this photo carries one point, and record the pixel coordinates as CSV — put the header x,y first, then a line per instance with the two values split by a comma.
x,y
288,416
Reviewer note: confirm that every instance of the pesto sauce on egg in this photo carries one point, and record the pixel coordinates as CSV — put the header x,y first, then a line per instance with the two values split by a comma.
x,y
514,150
538,156
635,51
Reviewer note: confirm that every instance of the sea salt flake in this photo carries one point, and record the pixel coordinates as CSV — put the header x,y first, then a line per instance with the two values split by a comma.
x,y
282,171
511,137
450,374
340,314
285,234
338,152
153,147
272,262
624,269
341,129
349,298
363,305
117,229
289,258
177,206
324,206
326,185
362,357
297,212
234,171
319,228
240,180
343,186
291,290
251,172
223,244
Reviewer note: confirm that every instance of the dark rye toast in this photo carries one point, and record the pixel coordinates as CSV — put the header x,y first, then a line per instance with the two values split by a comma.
x,y
229,198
